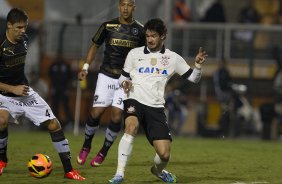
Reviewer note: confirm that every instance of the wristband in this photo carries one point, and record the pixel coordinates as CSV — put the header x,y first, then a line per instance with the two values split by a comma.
x,y
198,66
85,66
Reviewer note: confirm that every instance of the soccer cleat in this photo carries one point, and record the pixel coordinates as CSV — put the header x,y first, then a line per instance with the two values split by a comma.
x,y
2,166
74,175
81,158
97,160
117,179
166,176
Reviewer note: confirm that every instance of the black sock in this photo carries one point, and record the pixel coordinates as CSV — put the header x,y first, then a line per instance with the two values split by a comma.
x,y
62,146
111,135
90,128
3,145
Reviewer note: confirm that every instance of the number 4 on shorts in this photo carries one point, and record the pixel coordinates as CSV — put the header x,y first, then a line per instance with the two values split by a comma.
x,y
47,113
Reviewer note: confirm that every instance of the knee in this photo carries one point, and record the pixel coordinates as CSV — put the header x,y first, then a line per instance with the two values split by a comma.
x,y
3,123
96,112
53,125
116,115
164,156
131,128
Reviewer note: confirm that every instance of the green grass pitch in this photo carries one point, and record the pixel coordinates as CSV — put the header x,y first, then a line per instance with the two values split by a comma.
x,y
193,160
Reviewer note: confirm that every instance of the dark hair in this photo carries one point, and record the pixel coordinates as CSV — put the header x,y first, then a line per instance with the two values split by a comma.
x,y
120,1
16,15
157,25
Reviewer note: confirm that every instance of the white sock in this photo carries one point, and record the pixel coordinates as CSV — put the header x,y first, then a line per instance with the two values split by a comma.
x,y
124,151
159,164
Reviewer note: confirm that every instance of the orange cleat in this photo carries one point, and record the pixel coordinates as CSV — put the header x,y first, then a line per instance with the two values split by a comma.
x,y
2,166
74,175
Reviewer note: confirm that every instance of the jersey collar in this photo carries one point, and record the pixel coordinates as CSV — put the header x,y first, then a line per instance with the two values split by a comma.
x,y
146,50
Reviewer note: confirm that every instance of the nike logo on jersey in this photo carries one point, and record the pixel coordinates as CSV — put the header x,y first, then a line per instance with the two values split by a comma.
x,y
152,70
140,59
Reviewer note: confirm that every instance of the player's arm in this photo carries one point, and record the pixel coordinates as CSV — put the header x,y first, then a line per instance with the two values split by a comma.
x,y
20,90
91,54
97,40
193,75
124,79
125,82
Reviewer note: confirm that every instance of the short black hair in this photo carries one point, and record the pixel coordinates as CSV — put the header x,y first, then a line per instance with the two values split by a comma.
x,y
16,15
120,1
157,25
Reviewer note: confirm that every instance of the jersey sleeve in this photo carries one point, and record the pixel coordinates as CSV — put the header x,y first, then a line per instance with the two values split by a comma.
x,y
100,35
128,65
181,67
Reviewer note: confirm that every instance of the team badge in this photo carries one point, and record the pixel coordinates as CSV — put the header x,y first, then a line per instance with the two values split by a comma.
x,y
25,45
131,109
164,60
153,61
134,31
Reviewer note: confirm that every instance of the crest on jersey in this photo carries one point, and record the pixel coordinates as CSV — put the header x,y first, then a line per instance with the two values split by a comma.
x,y
153,61
131,109
164,60
134,31
25,45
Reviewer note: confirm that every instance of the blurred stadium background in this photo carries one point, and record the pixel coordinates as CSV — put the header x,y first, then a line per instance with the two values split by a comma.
x,y
251,50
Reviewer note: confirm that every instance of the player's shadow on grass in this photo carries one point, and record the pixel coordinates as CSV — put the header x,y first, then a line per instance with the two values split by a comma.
x,y
211,179
181,163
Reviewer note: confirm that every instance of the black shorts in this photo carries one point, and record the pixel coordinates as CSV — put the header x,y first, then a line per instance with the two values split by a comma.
x,y
152,119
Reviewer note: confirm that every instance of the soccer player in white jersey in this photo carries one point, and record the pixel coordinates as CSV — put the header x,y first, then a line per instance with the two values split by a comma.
x,y
145,74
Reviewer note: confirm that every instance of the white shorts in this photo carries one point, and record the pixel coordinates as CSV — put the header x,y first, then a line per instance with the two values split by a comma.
x,y
31,107
108,92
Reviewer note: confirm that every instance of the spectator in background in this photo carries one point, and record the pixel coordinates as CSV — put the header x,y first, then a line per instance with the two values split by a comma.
x,y
60,75
223,91
215,13
181,12
181,15
38,84
271,113
249,14
176,104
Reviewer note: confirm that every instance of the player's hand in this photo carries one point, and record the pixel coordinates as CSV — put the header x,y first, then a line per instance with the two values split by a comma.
x,y
20,90
126,85
82,75
201,56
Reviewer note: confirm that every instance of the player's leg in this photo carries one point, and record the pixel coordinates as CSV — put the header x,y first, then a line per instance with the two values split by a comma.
x,y
38,112
4,117
126,143
62,146
161,160
102,99
114,126
158,134
91,125
125,147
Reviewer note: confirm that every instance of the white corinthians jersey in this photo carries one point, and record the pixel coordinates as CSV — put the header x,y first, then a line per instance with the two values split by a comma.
x,y
150,73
